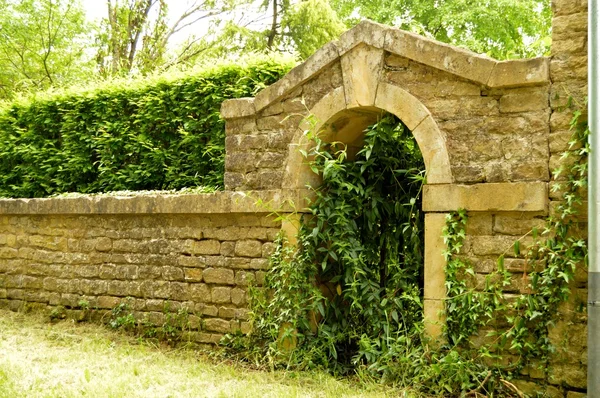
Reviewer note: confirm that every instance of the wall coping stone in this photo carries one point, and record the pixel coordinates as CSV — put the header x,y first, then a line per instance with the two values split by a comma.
x,y
508,196
210,203
464,63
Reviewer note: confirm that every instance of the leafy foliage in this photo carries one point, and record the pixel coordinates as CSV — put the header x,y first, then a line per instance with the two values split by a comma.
x,y
165,135
42,44
559,250
348,298
501,28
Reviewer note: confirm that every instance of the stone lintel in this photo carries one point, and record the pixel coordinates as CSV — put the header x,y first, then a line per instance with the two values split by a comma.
x,y
239,107
508,196
520,72
210,203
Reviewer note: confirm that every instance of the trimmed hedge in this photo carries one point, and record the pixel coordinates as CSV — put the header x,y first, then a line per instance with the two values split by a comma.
x,y
163,135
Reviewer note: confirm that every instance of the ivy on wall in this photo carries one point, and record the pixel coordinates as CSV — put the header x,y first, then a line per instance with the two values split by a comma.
x,y
333,303
162,135
522,326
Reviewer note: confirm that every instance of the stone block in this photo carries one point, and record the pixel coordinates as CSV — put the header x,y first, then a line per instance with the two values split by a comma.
x,y
248,248
518,73
536,170
244,278
193,274
498,244
516,224
434,259
226,312
479,224
108,302
199,293
366,32
239,107
103,244
207,247
361,67
568,7
531,196
268,249
568,375
525,100
441,56
217,325
403,104
179,291
221,276
240,126
238,296
220,295
172,273
434,318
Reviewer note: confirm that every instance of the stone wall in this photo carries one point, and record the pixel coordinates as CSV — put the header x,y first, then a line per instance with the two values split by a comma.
x,y
568,72
490,133
151,253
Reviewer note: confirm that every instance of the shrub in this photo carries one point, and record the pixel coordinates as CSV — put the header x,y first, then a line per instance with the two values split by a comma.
x,y
165,134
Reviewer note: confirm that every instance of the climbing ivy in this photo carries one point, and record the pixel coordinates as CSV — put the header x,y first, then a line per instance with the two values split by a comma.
x,y
348,296
558,250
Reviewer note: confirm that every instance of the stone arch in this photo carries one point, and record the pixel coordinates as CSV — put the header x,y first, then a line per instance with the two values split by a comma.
x,y
373,68
337,121
344,123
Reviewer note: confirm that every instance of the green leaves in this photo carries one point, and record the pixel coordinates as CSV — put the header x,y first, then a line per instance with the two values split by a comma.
x,y
167,135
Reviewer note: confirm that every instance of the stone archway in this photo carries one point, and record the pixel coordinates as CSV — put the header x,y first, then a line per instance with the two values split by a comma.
x,y
476,120
336,121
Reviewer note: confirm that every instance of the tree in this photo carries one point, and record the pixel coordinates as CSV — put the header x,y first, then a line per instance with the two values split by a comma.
x,y
275,26
501,28
42,44
136,34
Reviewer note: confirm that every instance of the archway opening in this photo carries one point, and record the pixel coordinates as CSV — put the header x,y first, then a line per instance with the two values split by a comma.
x,y
365,233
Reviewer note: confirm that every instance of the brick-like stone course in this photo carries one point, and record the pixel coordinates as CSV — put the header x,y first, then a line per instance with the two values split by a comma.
x,y
198,261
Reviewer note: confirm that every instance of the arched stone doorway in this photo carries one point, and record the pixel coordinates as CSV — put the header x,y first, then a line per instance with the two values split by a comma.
x,y
476,120
336,121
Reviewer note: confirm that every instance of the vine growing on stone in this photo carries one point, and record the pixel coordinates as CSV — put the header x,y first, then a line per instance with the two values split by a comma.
x,y
348,297
558,250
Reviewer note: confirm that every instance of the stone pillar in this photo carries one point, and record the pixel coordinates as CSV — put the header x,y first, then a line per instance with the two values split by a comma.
x,y
435,277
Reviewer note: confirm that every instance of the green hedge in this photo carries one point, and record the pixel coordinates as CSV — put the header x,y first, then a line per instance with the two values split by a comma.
x,y
137,136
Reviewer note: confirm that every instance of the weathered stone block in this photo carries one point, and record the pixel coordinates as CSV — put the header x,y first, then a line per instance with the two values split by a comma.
x,y
221,295
248,248
207,247
172,273
217,325
516,224
524,100
228,249
191,261
199,292
497,245
531,196
227,312
238,296
221,276
103,244
193,274
243,278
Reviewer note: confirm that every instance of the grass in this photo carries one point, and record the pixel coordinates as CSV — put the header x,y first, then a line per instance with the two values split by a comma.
x,y
68,359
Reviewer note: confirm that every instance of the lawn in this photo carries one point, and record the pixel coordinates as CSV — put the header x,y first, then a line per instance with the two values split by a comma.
x,y
68,359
